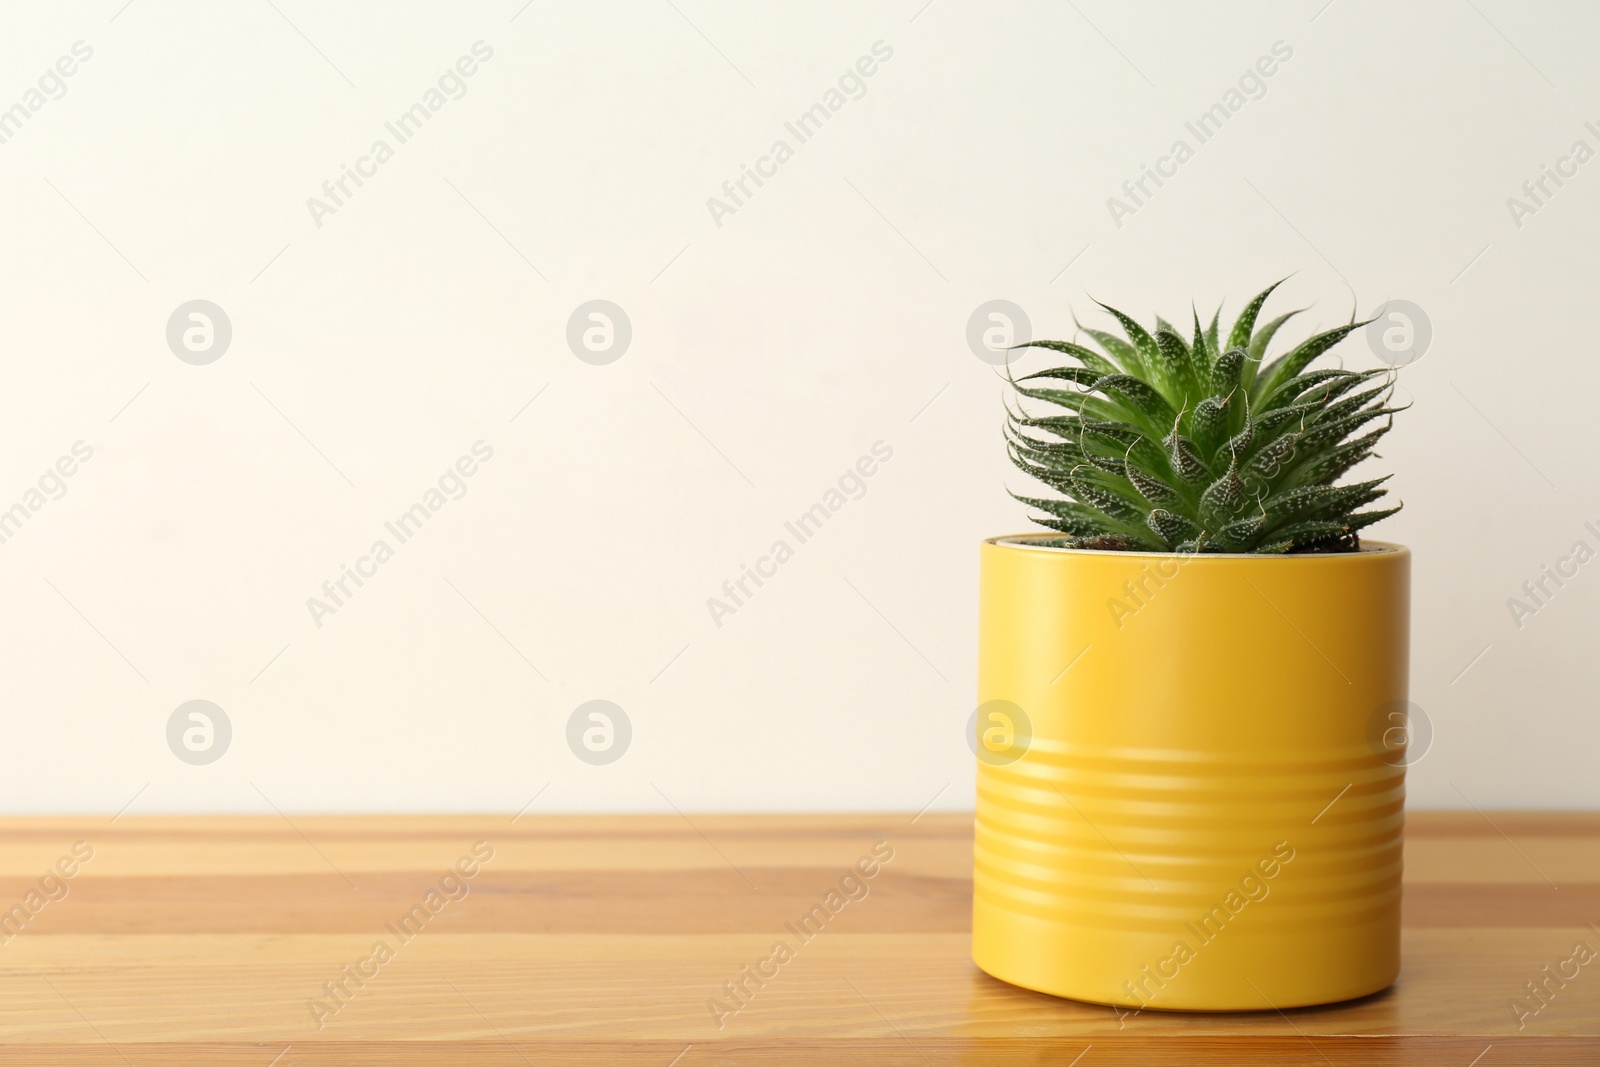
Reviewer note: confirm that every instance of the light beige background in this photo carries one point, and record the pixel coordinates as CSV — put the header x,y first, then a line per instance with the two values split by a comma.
x,y
769,353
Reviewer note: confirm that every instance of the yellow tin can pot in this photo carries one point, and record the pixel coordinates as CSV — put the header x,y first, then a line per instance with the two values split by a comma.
x,y
1191,776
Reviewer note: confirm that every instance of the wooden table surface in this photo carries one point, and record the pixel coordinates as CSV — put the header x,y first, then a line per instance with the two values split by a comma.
x,y
604,940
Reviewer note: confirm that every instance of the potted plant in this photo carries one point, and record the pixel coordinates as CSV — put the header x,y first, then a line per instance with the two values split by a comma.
x,y
1190,785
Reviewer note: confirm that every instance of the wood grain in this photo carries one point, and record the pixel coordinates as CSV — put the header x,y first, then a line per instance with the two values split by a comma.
x,y
601,939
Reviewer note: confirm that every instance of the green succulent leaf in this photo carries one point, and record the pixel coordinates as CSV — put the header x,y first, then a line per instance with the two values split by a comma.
x,y
1224,498
1362,519
1074,427
1331,383
1106,500
1337,430
1268,464
1203,355
1123,355
1070,517
1245,324
1324,467
1240,535
1160,494
1059,397
1177,363
1139,396
1287,366
1257,348
1172,528
1239,444
1320,501
1226,372
1313,531
1186,461
1209,425
1077,375
1143,343
1087,356
1332,412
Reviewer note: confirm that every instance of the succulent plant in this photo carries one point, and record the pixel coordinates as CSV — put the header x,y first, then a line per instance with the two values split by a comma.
x,y
1167,444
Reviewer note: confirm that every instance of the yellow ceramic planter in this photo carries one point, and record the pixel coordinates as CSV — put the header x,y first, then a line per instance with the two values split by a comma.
x,y
1191,778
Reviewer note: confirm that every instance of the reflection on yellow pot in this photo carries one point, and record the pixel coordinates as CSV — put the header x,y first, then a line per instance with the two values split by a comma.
x,y
1191,778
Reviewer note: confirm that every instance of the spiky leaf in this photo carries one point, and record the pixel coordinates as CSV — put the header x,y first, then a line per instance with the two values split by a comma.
x,y
1186,461
1087,356
1209,425
1223,499
1173,529
1225,374
1140,397
1176,362
1245,324
1287,366
1143,343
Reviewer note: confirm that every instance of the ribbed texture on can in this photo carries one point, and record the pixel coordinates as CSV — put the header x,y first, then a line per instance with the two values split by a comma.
x,y
1144,840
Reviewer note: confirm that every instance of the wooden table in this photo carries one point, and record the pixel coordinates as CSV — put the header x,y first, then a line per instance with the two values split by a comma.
x,y
601,940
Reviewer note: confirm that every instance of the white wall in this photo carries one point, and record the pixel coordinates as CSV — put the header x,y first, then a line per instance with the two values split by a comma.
x,y
769,352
